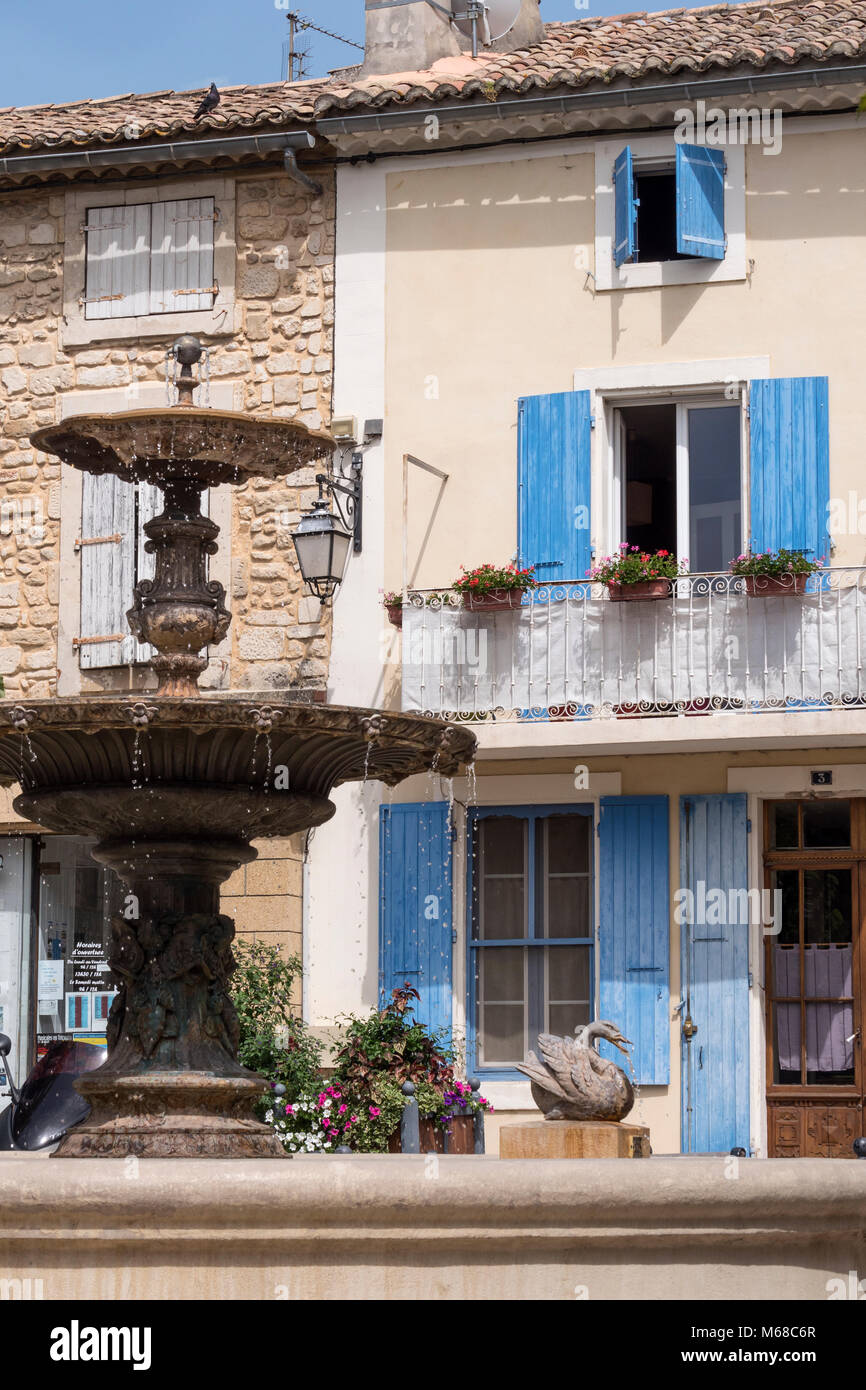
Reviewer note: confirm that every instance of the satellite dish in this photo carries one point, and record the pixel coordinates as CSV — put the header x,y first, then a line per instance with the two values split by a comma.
x,y
499,16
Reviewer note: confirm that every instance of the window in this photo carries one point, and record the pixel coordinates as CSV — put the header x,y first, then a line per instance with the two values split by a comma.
x,y
531,936
668,214
680,475
149,258
667,209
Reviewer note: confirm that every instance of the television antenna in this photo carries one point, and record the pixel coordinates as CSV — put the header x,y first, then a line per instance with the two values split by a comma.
x,y
487,20
295,58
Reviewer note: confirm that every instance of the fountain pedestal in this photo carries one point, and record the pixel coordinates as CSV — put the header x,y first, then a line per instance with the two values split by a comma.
x,y
574,1139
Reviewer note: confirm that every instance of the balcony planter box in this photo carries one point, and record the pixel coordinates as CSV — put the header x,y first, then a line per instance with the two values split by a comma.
x,y
395,614
495,600
643,590
461,1140
770,585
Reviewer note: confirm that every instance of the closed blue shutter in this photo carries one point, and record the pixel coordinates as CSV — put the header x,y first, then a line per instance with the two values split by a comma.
x,y
701,201
634,930
415,906
554,446
715,973
789,459
625,208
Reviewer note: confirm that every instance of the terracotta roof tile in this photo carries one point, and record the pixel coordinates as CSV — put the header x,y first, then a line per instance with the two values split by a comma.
x,y
572,55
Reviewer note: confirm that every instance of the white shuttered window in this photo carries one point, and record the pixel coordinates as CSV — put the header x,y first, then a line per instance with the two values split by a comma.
x,y
150,258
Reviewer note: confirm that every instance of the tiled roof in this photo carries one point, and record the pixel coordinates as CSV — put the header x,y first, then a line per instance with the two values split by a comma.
x,y
652,46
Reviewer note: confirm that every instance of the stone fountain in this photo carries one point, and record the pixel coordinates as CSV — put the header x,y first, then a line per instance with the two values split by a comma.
x,y
175,785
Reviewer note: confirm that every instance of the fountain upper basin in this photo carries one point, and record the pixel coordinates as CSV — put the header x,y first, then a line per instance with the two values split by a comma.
x,y
202,446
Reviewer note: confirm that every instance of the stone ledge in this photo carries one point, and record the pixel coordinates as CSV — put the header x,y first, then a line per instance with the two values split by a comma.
x,y
371,1227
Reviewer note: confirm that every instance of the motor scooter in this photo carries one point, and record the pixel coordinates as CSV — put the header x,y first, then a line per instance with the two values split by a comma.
x,y
47,1104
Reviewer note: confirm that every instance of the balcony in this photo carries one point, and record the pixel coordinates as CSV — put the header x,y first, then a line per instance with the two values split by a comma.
x,y
570,653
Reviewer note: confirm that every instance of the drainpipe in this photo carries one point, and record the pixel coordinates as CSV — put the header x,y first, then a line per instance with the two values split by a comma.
x,y
288,143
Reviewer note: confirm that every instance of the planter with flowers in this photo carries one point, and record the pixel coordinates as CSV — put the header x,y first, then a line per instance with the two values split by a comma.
x,y
775,572
634,574
491,588
393,605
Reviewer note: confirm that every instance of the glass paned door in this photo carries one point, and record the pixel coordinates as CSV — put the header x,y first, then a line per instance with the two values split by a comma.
x,y
815,1078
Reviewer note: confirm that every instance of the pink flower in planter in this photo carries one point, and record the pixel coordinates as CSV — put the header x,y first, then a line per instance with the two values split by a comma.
x,y
375,1111
343,1109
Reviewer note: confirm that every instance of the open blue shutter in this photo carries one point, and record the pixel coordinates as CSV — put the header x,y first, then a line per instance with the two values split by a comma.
x,y
701,201
554,454
715,973
415,906
789,459
625,208
634,929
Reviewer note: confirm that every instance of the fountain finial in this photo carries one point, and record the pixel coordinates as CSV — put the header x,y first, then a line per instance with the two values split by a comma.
x,y
186,350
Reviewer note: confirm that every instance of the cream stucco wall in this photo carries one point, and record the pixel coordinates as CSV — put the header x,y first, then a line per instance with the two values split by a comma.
x,y
489,298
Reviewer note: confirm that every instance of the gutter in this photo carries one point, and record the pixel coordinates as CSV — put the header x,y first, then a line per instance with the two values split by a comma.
x,y
176,151
629,96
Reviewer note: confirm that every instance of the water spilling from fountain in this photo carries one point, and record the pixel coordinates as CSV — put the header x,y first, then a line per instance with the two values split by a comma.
x,y
171,786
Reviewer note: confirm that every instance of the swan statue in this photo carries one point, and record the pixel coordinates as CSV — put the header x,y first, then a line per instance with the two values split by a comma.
x,y
573,1082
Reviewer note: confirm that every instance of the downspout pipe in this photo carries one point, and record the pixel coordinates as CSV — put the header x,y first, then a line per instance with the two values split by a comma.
x,y
289,143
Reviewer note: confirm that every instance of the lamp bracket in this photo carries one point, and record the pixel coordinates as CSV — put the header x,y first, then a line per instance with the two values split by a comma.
x,y
349,511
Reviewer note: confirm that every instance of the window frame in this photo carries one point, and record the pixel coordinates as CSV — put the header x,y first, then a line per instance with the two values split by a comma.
x,y
682,402
76,330
657,151
531,813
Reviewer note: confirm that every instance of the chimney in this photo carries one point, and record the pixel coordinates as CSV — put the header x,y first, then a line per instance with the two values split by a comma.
x,y
412,35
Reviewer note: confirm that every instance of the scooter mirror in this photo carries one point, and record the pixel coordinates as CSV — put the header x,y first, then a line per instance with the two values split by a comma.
x,y
5,1045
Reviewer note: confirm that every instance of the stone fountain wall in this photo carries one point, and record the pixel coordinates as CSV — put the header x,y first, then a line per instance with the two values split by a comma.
x,y
279,359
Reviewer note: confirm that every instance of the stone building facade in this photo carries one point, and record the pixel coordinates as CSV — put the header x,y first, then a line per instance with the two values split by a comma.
x,y
269,342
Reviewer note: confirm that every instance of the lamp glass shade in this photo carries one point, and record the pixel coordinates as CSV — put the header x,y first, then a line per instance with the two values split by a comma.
x,y
322,545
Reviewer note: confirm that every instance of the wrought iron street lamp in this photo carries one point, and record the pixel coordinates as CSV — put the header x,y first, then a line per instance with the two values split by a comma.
x,y
322,538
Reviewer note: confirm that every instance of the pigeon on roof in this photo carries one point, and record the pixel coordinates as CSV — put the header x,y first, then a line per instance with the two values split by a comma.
x,y
209,101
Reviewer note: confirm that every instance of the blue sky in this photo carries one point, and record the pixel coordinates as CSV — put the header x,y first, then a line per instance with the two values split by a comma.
x,y
65,50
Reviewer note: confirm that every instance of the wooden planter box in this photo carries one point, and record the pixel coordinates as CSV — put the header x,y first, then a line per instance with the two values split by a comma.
x,y
771,585
635,593
433,1138
495,600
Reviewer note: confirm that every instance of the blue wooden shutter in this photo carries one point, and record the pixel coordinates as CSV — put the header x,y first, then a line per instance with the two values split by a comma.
x,y
634,929
701,201
715,973
789,459
554,457
625,208
415,920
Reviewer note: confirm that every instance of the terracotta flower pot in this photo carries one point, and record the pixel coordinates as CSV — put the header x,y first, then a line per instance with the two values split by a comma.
x,y
770,585
395,614
493,601
644,589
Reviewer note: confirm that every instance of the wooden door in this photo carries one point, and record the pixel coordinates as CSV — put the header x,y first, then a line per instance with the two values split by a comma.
x,y
816,868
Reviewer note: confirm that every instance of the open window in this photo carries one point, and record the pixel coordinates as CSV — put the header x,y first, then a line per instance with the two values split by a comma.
x,y
680,480
669,208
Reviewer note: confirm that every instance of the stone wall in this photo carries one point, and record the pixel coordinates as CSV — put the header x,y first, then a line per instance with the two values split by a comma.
x,y
280,361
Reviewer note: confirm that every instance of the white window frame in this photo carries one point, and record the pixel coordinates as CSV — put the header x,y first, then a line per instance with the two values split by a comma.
x,y
659,151
696,400
643,383
218,321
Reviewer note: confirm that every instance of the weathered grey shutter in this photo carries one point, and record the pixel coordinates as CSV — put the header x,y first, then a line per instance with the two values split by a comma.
x,y
107,550
181,274
118,262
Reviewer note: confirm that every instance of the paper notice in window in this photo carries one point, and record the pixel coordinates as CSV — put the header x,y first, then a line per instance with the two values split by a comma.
x,y
50,980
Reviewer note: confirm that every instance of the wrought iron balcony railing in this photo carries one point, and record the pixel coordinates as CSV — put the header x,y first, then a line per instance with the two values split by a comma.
x,y
570,652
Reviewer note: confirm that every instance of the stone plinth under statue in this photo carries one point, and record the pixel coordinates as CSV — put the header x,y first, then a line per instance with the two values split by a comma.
x,y
574,1139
